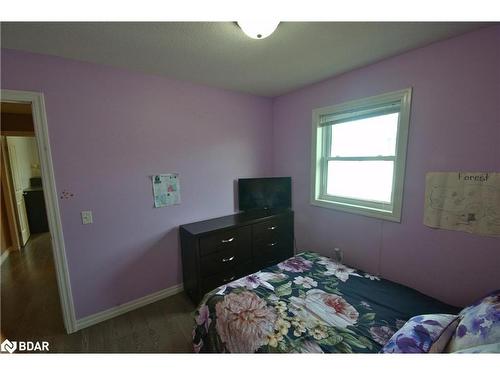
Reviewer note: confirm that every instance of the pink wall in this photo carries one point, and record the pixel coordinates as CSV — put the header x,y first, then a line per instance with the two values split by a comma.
x,y
455,125
109,130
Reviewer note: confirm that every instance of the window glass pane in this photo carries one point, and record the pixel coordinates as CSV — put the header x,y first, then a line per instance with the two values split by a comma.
x,y
365,180
373,136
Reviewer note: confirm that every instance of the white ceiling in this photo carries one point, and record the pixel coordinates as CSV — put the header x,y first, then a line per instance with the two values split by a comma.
x,y
219,54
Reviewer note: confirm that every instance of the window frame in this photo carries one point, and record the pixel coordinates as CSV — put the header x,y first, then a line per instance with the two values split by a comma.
x,y
321,146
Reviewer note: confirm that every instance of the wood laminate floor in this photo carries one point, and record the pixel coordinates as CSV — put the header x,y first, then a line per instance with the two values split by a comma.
x,y
30,310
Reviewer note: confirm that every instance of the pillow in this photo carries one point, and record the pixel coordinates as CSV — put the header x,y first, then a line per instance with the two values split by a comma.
x,y
423,334
479,324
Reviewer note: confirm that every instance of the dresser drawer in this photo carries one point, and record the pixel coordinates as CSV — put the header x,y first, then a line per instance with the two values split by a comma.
x,y
225,260
271,230
232,239
268,254
267,249
212,282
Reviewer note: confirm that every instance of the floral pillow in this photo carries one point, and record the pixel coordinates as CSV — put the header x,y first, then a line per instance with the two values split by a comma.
x,y
423,334
479,324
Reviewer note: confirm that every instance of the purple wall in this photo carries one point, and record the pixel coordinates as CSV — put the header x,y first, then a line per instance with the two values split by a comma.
x,y
455,125
109,130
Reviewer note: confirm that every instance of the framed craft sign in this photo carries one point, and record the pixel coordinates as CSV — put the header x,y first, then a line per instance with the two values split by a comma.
x,y
465,201
166,189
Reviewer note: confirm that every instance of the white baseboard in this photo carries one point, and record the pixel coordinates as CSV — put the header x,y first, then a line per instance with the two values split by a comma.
x,y
4,256
126,307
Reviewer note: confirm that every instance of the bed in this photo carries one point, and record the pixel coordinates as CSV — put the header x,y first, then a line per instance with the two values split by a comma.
x,y
307,304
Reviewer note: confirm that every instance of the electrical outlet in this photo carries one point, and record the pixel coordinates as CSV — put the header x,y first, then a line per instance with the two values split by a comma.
x,y
86,217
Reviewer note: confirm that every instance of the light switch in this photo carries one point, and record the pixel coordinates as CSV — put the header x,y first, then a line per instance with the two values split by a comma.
x,y
86,217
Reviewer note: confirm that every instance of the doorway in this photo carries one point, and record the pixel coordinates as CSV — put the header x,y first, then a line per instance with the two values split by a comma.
x,y
27,270
36,294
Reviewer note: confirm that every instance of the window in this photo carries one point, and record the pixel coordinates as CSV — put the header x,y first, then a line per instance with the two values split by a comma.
x,y
359,153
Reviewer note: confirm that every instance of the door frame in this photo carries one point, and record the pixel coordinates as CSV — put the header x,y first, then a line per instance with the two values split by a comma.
x,y
37,102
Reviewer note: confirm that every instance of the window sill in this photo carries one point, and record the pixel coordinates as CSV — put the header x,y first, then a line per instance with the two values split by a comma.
x,y
359,210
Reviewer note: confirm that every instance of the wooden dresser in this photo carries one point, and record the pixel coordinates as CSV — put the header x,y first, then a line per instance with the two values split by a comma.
x,y
217,251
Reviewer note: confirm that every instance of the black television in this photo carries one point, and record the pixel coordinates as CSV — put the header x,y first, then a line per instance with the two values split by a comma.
x,y
264,193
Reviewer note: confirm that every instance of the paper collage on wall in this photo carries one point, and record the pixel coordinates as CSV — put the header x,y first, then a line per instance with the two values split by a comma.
x,y
464,201
166,189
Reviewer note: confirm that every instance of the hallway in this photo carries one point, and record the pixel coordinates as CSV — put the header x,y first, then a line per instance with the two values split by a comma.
x,y
30,299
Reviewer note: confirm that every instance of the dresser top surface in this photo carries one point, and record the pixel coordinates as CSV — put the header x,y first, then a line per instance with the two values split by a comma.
x,y
235,220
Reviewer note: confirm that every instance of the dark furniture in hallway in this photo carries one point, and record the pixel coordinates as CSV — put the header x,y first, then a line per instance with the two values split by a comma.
x,y
35,206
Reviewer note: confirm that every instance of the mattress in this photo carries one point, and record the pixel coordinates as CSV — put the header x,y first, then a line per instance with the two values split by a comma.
x,y
307,304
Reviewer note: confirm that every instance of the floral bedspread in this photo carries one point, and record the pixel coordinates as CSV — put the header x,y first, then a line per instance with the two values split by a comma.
x,y
307,304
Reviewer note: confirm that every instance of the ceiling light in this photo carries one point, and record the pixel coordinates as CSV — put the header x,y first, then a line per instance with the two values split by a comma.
x,y
258,29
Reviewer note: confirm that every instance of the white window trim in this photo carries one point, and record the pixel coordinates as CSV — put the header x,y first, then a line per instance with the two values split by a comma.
x,y
318,145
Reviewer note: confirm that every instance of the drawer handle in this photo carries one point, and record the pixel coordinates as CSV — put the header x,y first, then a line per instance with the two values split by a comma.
x,y
272,244
228,279
273,227
228,240
225,260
